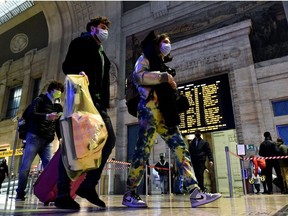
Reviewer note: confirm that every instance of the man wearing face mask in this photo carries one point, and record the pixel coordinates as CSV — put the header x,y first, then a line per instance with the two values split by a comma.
x,y
44,114
86,57
200,149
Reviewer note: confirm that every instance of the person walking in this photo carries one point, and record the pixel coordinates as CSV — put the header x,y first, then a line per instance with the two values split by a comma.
x,y
157,88
283,163
44,116
86,57
268,148
3,171
162,167
199,150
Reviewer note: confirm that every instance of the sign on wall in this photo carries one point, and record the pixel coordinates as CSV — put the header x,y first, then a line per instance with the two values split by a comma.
x,y
210,105
9,153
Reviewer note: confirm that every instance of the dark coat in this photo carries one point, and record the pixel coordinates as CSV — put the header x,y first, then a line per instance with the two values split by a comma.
x,y
83,55
268,148
38,124
199,152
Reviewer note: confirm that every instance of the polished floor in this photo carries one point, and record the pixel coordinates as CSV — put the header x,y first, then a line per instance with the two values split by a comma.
x,y
276,204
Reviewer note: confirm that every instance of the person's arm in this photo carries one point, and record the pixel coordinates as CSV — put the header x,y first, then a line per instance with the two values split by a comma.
x,y
35,107
145,77
261,150
157,165
34,110
208,152
74,62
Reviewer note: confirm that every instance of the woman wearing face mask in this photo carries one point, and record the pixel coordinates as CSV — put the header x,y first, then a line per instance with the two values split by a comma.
x,y
156,86
43,123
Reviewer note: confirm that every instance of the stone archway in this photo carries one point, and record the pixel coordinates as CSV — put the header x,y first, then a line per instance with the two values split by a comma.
x,y
59,22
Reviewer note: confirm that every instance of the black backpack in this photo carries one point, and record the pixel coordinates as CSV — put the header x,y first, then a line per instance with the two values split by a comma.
x,y
132,96
23,123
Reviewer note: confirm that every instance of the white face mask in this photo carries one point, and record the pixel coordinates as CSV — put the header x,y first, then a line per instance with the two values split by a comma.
x,y
165,48
102,34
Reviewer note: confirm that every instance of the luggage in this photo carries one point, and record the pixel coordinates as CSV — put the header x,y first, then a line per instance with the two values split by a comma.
x,y
83,130
45,187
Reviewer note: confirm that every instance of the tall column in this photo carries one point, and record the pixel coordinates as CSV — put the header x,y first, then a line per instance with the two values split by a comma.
x,y
27,86
3,86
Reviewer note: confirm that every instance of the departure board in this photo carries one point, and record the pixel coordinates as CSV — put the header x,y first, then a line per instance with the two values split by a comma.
x,y
210,105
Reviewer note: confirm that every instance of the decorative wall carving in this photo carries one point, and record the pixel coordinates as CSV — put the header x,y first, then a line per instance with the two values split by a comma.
x,y
30,34
113,73
19,42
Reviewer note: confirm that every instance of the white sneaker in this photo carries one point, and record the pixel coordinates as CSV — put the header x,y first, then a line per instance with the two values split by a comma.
x,y
131,199
198,198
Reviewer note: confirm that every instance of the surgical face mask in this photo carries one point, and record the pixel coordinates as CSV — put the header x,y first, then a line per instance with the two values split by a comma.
x,y
56,94
165,48
102,34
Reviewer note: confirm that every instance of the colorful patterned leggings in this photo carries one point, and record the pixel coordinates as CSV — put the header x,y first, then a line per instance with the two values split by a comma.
x,y
150,123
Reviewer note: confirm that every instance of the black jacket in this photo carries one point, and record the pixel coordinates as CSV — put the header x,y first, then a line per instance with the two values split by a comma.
x,y
268,148
162,164
200,152
38,124
83,55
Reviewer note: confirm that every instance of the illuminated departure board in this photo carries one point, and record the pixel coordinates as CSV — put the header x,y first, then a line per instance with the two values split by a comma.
x,y
210,105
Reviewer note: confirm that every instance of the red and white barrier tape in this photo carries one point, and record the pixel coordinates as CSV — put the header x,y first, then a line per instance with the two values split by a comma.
x,y
266,158
127,164
118,162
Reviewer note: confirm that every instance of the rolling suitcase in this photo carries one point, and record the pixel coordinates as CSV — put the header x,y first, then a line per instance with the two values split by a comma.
x,y
45,187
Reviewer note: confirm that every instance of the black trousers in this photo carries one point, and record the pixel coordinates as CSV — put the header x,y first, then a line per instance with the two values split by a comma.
x,y
270,164
1,181
199,168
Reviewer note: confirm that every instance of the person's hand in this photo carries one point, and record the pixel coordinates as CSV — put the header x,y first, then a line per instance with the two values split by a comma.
x,y
211,163
52,116
84,74
60,141
171,81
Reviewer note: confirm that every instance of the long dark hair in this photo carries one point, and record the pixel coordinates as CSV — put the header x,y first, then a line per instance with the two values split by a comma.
x,y
151,49
158,40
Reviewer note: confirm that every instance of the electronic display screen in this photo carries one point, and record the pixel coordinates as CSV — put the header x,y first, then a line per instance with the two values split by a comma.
x,y
210,105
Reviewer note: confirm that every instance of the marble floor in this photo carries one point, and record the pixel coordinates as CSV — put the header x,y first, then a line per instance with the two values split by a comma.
x,y
276,204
